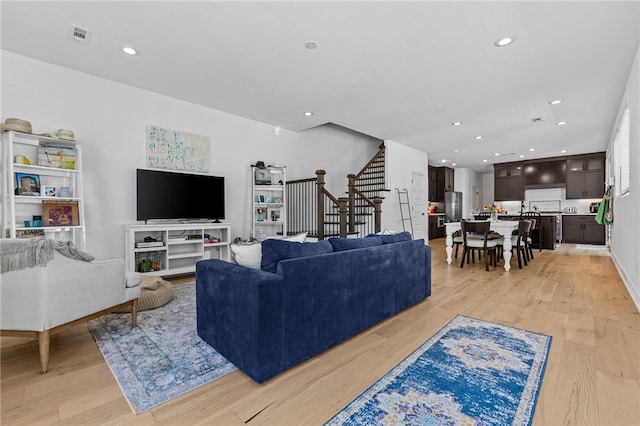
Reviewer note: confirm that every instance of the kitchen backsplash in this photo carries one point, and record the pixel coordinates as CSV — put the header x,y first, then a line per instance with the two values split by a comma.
x,y
546,198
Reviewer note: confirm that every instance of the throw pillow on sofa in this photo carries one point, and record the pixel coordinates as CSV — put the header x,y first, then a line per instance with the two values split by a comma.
x,y
393,238
340,244
273,251
250,254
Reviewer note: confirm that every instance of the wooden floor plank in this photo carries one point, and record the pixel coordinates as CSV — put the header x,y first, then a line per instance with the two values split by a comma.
x,y
574,295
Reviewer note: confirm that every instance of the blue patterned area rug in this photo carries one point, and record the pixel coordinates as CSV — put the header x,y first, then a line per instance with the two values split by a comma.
x,y
163,357
471,372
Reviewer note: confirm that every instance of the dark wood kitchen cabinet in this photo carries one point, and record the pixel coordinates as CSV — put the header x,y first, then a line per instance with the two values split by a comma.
x,y
508,183
434,230
441,179
547,173
432,183
582,229
548,231
585,176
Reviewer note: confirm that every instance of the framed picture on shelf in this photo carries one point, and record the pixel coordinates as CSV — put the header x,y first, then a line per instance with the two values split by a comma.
x,y
274,215
262,177
58,155
261,198
48,191
60,213
27,184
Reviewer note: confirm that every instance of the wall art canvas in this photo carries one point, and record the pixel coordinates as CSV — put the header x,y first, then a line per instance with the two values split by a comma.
x,y
177,150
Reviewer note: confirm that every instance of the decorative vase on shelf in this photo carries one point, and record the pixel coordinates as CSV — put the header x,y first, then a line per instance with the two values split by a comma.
x,y
494,215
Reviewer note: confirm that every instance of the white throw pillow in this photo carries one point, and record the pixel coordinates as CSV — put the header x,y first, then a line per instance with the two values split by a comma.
x,y
298,238
249,255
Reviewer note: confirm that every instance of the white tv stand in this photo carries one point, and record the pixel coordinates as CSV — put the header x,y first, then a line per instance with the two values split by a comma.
x,y
177,247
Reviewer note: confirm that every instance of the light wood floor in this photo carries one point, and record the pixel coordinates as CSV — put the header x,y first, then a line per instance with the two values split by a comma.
x,y
575,295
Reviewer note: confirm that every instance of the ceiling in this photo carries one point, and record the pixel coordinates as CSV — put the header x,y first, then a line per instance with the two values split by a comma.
x,y
403,71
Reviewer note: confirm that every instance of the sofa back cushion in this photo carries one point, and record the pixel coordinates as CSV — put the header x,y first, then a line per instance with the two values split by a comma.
x,y
340,244
393,238
273,251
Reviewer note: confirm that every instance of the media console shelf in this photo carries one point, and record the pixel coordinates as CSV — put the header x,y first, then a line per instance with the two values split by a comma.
x,y
168,249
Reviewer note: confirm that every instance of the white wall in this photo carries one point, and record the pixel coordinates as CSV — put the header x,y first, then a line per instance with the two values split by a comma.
x,y
401,162
110,119
466,181
625,232
487,189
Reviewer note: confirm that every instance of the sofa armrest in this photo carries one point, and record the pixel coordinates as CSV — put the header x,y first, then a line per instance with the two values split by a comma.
x,y
66,289
240,314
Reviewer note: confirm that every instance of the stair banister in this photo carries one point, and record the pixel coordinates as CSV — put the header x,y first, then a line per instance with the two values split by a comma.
x,y
351,210
320,203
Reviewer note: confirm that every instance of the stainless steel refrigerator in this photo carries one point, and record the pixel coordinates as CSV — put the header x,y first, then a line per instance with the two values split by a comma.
x,y
453,206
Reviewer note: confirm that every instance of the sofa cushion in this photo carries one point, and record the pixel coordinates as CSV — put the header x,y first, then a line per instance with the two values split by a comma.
x,y
340,244
250,254
393,238
273,251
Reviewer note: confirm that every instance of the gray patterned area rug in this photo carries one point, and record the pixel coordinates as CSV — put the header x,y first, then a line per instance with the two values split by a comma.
x,y
163,357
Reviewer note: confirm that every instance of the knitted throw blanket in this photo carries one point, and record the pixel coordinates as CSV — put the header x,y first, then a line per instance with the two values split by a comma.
x,y
16,254
25,253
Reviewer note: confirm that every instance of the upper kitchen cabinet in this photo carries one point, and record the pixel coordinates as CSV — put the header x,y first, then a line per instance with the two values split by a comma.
x,y
545,173
432,183
508,182
441,180
585,176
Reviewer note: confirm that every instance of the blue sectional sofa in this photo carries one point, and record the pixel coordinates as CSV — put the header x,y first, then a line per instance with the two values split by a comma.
x,y
310,297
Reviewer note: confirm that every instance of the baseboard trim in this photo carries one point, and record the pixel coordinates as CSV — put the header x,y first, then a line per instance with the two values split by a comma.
x,y
633,292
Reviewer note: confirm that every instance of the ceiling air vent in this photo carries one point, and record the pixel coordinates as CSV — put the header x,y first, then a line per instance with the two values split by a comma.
x,y
79,34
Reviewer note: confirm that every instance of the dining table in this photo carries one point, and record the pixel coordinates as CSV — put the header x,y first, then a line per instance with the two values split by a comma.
x,y
502,227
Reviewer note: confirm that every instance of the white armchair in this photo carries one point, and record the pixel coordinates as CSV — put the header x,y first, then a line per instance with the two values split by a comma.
x,y
42,300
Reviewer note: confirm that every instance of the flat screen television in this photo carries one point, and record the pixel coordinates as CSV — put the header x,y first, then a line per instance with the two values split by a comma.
x,y
179,196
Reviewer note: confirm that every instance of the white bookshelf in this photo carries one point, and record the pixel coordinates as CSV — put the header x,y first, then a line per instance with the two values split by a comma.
x,y
177,247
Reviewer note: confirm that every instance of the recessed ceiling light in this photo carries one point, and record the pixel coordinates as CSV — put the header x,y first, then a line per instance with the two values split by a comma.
x,y
308,114
129,50
521,156
531,149
310,44
561,123
456,123
453,164
504,41
497,154
484,161
556,101
563,151
443,161
455,151
478,138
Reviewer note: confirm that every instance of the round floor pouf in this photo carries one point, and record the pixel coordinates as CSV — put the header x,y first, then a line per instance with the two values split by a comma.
x,y
155,292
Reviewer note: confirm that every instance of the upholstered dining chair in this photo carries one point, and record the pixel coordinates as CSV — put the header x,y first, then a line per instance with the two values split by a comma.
x,y
536,229
43,291
519,242
475,238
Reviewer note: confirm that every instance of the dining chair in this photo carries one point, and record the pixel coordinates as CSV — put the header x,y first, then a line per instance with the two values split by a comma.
x,y
519,242
474,237
536,229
